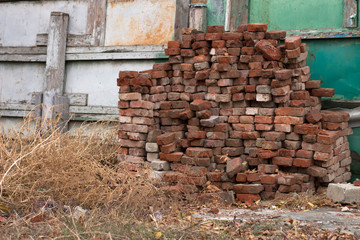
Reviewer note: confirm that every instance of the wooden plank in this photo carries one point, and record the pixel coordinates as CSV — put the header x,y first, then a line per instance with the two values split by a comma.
x,y
73,40
181,17
23,50
323,33
55,61
61,112
22,58
228,14
115,56
36,99
197,17
96,20
95,117
117,49
350,13
77,99
243,8
94,110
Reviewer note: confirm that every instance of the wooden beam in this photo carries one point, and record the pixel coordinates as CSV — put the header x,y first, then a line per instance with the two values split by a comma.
x,y
243,8
197,17
73,40
96,21
55,61
181,17
61,112
350,13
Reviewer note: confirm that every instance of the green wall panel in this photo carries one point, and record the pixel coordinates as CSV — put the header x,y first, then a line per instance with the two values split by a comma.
x,y
216,12
300,14
337,63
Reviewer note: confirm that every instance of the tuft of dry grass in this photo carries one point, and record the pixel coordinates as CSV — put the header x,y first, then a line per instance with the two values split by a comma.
x,y
78,167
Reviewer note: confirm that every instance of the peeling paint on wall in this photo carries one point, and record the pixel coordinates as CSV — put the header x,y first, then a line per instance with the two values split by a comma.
x,y
129,24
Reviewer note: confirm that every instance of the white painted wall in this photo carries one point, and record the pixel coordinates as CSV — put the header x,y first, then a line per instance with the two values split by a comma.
x,y
98,78
19,80
21,21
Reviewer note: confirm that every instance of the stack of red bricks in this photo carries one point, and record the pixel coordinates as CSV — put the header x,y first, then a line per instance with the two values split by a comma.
x,y
236,109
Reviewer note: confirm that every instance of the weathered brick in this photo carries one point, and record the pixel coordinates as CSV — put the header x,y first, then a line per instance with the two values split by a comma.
x,y
270,52
248,188
282,161
292,42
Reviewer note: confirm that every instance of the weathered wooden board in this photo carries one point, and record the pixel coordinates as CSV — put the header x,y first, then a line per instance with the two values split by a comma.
x,y
181,17
77,99
198,17
96,21
73,40
55,61
350,13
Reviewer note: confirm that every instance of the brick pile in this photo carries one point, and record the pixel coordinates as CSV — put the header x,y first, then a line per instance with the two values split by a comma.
x,y
236,109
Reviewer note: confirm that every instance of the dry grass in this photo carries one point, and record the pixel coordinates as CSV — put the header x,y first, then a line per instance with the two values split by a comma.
x,y
76,168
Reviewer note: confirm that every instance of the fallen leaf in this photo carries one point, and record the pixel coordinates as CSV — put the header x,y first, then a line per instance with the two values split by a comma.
x,y
158,235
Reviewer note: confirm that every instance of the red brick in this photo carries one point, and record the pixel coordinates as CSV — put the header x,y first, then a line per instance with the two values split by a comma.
x,y
274,136
248,198
213,36
327,137
286,152
199,45
323,92
257,27
288,120
215,29
290,111
266,154
202,75
269,179
176,177
218,44
199,105
282,161
196,135
128,74
158,74
166,138
267,168
283,74
172,51
316,171
232,36
270,52
271,145
203,114
335,117
186,67
294,53
306,129
276,35
292,42
283,127
281,91
313,84
253,177
199,152
248,188
304,154
303,162
173,44
221,67
201,58
300,95
241,177
280,83
168,148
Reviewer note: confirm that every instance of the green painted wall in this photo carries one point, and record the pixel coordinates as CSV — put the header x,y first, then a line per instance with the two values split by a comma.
x,y
337,63
300,14
216,12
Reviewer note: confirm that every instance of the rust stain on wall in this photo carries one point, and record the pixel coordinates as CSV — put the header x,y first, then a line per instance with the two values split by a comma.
x,y
139,22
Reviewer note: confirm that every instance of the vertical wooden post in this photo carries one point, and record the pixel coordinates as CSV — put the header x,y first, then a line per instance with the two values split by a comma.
x,y
55,62
228,11
350,13
181,17
242,7
96,21
197,17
